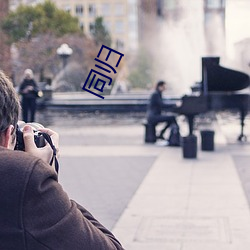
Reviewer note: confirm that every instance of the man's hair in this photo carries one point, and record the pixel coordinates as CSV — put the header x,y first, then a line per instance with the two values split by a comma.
x,y
159,84
9,104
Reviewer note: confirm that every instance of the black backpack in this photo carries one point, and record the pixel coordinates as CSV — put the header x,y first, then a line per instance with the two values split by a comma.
x,y
174,136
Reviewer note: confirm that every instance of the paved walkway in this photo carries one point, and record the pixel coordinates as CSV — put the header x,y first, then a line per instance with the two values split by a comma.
x,y
188,204
176,204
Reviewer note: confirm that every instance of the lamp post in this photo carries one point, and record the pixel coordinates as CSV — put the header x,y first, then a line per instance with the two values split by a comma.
x,y
64,51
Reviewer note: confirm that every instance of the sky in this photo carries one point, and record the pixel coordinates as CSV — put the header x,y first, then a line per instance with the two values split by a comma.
x,y
237,23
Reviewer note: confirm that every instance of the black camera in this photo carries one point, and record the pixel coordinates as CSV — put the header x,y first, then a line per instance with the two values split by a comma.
x,y
38,137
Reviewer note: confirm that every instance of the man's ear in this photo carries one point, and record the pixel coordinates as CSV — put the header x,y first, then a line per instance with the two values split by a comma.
x,y
7,139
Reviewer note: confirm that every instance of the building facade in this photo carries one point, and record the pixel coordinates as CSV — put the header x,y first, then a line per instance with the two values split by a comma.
x,y
120,18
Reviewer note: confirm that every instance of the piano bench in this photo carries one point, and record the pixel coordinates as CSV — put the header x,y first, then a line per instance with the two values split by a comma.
x,y
150,132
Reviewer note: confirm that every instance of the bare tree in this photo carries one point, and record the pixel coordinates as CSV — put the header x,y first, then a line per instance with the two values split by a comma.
x,y
40,55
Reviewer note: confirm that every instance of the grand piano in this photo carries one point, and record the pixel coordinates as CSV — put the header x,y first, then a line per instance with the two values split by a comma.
x,y
220,89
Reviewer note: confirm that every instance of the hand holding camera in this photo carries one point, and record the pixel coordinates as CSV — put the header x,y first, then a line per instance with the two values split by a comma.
x,y
38,137
41,142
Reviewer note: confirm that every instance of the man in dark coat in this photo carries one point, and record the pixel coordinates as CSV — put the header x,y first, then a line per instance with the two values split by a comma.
x,y
35,212
155,107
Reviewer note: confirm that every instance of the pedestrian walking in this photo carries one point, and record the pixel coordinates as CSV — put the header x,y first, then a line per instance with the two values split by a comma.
x,y
29,92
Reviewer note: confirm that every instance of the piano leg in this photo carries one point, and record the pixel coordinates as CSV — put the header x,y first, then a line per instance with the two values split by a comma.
x,y
190,123
243,114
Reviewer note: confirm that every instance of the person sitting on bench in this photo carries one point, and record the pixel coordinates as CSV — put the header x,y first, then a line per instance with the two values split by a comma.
x,y
155,107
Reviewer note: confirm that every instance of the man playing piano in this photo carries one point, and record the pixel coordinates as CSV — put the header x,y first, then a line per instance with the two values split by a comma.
x,y
155,107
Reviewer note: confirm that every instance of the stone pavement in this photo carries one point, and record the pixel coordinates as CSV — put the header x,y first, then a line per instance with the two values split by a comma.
x,y
175,203
189,204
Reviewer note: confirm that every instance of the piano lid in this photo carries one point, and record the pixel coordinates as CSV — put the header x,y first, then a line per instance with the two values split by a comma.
x,y
218,78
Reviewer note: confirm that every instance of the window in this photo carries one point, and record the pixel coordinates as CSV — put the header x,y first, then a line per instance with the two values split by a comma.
x,y
119,9
82,26
92,10
132,26
119,44
119,26
170,4
132,10
79,10
107,25
105,9
91,27
67,8
215,4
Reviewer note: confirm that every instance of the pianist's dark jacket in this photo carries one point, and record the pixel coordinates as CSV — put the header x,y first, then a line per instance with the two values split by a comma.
x,y
36,214
155,105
